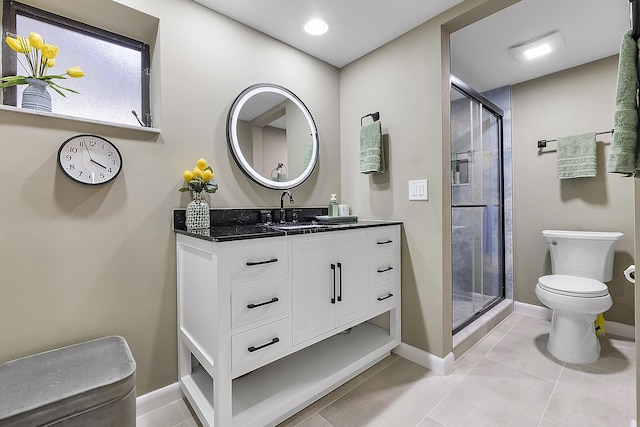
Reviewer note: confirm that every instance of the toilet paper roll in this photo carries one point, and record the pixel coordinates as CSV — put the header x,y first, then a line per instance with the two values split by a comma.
x,y
630,273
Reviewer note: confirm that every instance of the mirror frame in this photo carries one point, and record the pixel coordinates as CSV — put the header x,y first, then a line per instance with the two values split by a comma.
x,y
234,145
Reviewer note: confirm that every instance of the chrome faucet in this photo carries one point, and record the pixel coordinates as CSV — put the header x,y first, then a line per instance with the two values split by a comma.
x,y
282,213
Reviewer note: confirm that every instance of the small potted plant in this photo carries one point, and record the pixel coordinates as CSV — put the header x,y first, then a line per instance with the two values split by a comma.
x,y
199,181
39,58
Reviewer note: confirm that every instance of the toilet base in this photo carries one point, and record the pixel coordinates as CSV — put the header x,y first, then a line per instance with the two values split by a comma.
x,y
573,339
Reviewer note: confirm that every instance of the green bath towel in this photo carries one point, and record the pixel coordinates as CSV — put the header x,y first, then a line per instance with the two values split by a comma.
x,y
371,150
577,156
624,148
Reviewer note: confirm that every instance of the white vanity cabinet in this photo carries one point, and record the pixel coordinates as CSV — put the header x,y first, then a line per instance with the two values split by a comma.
x,y
331,287
268,325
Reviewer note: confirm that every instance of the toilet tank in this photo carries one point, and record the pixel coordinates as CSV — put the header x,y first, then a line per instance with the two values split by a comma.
x,y
582,253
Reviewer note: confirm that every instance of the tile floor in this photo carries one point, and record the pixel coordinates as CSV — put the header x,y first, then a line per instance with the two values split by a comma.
x,y
507,379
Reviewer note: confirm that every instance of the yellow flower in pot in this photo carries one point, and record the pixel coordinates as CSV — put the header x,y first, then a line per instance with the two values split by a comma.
x,y
200,179
39,57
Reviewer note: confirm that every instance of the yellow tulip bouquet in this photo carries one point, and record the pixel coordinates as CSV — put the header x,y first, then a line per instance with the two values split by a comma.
x,y
39,56
200,179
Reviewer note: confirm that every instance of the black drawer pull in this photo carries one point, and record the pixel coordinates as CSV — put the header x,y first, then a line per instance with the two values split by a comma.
x,y
273,341
250,263
385,242
384,270
274,299
340,288
333,297
384,298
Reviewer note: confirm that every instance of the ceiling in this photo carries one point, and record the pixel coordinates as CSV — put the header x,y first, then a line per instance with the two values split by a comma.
x,y
591,29
356,26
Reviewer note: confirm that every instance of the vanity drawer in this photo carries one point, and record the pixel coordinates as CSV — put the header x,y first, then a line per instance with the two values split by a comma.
x,y
251,262
383,269
384,240
257,347
258,305
383,297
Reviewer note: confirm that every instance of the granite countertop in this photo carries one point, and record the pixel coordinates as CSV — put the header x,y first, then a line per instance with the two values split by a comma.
x,y
242,224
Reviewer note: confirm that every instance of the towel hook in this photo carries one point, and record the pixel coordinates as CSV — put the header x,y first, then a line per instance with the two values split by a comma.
x,y
375,116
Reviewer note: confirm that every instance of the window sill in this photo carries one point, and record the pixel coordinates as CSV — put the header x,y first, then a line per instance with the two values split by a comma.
x,y
23,114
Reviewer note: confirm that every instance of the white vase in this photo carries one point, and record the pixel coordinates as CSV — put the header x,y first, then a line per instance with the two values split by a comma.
x,y
36,96
197,215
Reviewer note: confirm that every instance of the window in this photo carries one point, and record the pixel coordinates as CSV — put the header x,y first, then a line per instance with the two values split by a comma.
x,y
116,82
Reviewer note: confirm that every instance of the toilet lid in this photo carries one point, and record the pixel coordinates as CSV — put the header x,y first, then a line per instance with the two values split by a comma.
x,y
573,286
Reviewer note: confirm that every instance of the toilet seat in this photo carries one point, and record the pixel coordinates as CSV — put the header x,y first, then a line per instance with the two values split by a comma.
x,y
573,286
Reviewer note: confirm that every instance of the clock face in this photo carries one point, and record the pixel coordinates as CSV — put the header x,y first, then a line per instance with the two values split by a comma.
x,y
89,159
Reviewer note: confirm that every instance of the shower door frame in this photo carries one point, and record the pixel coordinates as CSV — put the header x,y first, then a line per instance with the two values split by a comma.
x,y
498,113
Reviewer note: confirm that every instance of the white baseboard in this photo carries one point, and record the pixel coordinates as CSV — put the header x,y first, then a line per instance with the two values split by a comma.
x,y
614,328
532,310
439,366
620,329
158,398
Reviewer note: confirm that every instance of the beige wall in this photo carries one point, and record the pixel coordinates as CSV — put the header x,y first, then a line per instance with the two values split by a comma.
x,y
571,102
407,82
78,263
402,81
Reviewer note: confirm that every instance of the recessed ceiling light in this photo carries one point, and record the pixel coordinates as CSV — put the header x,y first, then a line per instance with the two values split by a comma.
x,y
316,26
538,47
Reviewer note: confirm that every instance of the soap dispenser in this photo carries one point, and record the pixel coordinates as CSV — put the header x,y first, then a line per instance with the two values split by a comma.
x,y
333,206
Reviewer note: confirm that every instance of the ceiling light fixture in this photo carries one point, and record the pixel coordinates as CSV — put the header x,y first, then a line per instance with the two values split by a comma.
x,y
538,47
316,26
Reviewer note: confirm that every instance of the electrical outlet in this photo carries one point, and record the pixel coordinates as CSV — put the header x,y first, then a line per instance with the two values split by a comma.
x,y
419,189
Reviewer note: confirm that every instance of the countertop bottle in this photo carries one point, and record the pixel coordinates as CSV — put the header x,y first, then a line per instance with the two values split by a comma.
x,y
333,206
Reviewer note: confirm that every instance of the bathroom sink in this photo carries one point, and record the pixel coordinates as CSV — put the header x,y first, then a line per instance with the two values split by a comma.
x,y
297,226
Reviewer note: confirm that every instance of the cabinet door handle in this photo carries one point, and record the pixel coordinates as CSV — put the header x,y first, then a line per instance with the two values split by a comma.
x,y
273,341
340,287
333,297
385,242
384,270
250,263
384,298
274,299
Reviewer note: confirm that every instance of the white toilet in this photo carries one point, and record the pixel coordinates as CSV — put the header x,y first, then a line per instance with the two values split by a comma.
x,y
580,261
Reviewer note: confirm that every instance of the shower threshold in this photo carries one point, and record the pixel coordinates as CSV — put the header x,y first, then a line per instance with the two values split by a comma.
x,y
463,307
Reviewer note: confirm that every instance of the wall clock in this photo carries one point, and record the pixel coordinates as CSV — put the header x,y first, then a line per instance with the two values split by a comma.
x,y
89,159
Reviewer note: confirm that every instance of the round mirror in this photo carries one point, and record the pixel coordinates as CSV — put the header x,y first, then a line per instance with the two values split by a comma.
x,y
272,136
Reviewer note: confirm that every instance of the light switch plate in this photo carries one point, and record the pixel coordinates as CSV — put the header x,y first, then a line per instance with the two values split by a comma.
x,y
419,189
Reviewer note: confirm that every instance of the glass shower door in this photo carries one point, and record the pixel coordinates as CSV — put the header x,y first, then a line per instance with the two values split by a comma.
x,y
477,204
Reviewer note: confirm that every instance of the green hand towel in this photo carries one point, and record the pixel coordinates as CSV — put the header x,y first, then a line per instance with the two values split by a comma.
x,y
624,156
577,156
371,151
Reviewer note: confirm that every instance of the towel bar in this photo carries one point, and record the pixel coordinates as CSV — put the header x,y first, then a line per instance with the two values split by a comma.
x,y
634,16
543,142
375,116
